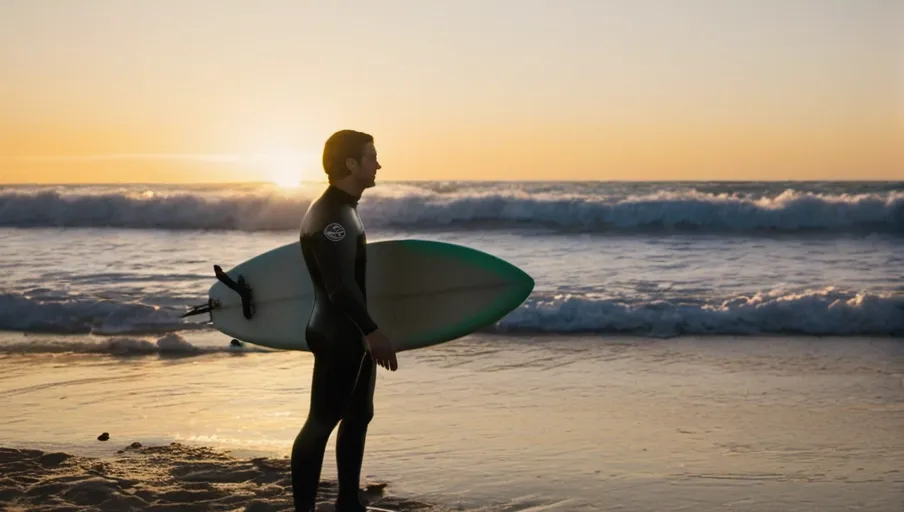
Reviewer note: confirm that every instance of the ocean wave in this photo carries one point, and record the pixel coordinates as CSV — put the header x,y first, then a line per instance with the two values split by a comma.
x,y
171,344
64,313
823,312
411,207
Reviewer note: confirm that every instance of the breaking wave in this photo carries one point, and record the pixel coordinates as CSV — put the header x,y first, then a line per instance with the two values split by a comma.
x,y
170,344
825,312
75,314
409,207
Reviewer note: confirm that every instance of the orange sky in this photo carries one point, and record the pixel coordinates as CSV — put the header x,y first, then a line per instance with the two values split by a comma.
x,y
171,91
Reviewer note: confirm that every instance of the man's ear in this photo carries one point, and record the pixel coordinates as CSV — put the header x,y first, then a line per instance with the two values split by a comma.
x,y
351,164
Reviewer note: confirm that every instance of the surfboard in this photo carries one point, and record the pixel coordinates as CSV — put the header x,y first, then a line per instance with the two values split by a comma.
x,y
420,293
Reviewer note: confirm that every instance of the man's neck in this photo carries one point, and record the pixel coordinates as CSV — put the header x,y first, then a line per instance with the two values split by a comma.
x,y
348,187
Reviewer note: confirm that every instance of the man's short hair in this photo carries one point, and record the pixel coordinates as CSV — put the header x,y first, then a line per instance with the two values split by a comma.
x,y
343,145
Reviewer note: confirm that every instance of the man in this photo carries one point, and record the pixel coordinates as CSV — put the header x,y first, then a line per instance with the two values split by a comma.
x,y
341,334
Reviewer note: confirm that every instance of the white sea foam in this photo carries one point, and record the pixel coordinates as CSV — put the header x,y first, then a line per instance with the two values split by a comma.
x,y
788,210
825,311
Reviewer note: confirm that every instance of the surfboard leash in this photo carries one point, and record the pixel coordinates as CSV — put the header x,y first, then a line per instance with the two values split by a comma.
x,y
207,307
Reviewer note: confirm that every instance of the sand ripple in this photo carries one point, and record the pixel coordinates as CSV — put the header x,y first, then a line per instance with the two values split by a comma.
x,y
161,478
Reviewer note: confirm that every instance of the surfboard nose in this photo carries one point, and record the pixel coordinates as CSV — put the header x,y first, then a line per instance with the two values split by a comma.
x,y
429,291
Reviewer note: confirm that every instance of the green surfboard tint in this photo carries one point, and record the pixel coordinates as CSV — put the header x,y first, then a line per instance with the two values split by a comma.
x,y
521,286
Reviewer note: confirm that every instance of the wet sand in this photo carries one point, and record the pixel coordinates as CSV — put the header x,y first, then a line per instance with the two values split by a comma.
x,y
174,478
490,424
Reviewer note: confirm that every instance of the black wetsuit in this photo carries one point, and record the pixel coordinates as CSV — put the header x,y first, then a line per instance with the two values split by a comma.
x,y
333,245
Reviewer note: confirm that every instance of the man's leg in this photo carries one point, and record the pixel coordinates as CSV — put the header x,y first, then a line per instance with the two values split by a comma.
x,y
350,441
335,374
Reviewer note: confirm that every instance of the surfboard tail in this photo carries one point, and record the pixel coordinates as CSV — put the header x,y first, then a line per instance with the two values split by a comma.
x,y
240,287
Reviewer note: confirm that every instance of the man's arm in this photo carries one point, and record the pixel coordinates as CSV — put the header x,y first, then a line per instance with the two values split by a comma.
x,y
336,260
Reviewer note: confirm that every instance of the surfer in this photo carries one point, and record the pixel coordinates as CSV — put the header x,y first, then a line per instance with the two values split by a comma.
x,y
345,341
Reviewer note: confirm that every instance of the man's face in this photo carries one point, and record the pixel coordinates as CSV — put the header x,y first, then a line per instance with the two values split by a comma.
x,y
365,172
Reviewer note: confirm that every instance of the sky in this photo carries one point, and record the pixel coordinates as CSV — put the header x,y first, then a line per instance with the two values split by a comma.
x,y
226,90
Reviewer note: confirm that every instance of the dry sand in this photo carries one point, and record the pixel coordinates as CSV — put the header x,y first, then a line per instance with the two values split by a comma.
x,y
161,478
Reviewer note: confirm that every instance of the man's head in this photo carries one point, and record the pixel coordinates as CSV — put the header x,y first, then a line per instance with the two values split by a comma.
x,y
350,157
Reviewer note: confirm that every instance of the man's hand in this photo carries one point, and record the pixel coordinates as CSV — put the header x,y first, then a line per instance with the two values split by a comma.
x,y
382,350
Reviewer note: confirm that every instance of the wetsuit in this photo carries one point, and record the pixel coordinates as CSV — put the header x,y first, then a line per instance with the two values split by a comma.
x,y
333,245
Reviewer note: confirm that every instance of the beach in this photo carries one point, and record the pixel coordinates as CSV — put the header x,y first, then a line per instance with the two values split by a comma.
x,y
688,347
650,254
173,477
577,424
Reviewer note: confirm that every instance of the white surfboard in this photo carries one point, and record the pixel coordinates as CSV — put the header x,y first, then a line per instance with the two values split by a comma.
x,y
419,292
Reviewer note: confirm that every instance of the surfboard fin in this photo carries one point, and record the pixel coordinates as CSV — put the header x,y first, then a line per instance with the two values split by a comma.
x,y
240,287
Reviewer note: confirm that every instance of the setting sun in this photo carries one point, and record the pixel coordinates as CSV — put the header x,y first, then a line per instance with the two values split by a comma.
x,y
285,176
287,170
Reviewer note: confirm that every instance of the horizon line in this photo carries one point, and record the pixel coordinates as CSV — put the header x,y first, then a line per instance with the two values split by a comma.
x,y
321,182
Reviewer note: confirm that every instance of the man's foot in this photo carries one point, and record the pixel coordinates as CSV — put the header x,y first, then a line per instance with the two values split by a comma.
x,y
352,505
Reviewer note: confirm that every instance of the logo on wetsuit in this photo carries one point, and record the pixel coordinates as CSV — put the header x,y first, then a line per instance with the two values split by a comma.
x,y
334,232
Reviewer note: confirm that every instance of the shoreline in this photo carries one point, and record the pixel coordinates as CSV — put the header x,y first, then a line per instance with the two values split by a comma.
x,y
767,423
210,337
165,477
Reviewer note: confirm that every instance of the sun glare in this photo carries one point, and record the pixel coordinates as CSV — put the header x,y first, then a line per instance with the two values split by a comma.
x,y
285,176
285,170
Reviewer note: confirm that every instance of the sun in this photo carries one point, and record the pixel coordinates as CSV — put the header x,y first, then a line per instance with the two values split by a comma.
x,y
284,169
285,176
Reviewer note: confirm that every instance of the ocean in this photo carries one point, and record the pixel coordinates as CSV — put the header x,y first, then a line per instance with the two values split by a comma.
x,y
745,335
